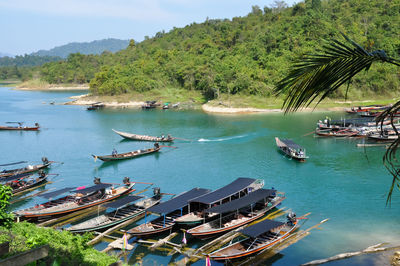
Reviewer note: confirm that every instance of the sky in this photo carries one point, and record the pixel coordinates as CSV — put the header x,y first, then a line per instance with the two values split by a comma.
x,y
27,26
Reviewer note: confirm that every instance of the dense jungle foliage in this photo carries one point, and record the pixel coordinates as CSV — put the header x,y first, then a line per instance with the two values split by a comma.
x,y
245,55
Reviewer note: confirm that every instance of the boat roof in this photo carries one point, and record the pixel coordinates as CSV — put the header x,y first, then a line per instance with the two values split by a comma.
x,y
49,195
242,202
178,202
92,188
121,202
291,144
14,177
260,228
226,191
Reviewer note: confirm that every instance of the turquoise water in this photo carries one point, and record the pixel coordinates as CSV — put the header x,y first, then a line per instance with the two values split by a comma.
x,y
339,181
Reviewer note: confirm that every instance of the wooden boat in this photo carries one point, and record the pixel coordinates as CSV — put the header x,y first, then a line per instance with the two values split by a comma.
x,y
337,133
20,127
127,155
168,211
258,237
150,105
121,214
96,106
291,149
144,137
238,212
28,169
384,136
234,190
20,185
79,200
358,109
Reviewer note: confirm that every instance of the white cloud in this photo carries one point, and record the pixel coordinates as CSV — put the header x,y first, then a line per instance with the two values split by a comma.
x,y
148,10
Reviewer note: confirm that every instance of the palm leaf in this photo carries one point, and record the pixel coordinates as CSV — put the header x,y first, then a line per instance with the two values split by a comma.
x,y
315,76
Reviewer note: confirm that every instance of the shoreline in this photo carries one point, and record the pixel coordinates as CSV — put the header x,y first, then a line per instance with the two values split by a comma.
x,y
54,88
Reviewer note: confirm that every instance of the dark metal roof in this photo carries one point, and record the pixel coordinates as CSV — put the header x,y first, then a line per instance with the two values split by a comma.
x,y
242,202
15,177
93,188
49,195
260,228
358,121
226,191
178,202
291,144
121,202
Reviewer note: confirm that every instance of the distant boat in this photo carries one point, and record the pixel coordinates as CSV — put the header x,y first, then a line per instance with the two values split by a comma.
x,y
96,106
127,155
144,137
291,149
20,127
150,105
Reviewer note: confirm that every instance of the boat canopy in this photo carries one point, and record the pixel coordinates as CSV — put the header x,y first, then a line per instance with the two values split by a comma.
x,y
56,193
242,202
121,202
93,188
260,228
178,202
226,191
15,177
291,144
358,121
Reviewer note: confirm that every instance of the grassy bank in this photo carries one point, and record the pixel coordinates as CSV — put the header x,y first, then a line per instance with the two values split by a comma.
x,y
9,83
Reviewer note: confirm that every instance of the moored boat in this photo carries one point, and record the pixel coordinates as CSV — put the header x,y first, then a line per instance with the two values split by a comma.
x,y
150,105
234,190
337,133
168,210
238,212
291,149
127,155
96,106
36,127
21,184
79,199
131,136
126,209
28,169
258,237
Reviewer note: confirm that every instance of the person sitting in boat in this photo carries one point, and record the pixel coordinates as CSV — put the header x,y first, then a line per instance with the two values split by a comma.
x,y
156,145
114,152
162,137
169,137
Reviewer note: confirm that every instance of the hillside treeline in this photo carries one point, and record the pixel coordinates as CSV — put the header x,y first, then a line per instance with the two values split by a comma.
x,y
244,55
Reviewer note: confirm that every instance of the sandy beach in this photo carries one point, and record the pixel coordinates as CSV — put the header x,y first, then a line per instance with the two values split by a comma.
x,y
85,99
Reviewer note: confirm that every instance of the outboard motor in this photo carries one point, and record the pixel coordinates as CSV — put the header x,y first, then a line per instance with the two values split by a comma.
x,y
37,125
97,180
126,180
156,145
291,218
41,173
156,191
45,160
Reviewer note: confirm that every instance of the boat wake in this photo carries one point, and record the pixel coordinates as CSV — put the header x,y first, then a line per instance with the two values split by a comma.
x,y
221,139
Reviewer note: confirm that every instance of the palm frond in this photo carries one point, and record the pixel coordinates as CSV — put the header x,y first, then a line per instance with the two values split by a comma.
x,y
315,76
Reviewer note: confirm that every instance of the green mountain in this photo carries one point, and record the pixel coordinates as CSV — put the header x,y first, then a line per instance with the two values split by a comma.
x,y
245,55
94,47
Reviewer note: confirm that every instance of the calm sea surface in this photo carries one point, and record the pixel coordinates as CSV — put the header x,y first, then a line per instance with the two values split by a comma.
x,y
339,181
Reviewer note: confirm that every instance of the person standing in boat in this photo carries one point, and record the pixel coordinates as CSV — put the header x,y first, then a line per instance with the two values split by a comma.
x,y
114,152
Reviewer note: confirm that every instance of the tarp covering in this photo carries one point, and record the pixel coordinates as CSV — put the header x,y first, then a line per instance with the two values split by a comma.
x,y
260,228
15,177
53,194
92,188
121,202
291,144
242,202
226,191
359,121
178,202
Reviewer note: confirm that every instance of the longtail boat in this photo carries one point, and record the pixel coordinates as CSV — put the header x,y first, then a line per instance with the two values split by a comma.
x,y
150,105
337,133
258,237
127,155
96,106
28,169
238,212
168,210
20,184
385,136
236,189
20,127
291,149
122,213
358,109
79,200
131,136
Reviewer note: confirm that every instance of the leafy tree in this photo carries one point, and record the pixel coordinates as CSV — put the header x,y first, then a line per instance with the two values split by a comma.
x,y
316,76
6,218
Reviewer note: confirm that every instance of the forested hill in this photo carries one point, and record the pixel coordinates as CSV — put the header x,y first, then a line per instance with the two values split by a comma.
x,y
94,47
244,55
